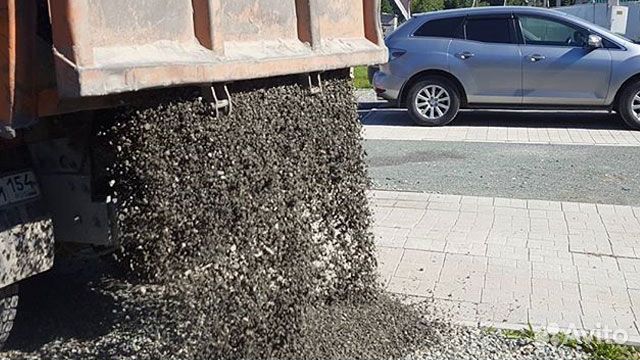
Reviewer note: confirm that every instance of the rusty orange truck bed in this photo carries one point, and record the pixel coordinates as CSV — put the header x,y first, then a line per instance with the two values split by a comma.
x,y
105,47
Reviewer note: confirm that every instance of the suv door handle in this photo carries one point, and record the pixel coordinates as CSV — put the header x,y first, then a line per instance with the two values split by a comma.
x,y
465,55
537,57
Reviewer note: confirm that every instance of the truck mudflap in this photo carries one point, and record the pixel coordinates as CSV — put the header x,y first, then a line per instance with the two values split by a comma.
x,y
25,250
26,232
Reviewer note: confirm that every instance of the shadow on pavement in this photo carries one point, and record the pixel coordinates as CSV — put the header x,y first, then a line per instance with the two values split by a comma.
x,y
498,118
368,105
64,303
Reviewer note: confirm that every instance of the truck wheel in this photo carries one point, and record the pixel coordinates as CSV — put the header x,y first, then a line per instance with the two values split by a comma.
x,y
629,105
433,101
8,306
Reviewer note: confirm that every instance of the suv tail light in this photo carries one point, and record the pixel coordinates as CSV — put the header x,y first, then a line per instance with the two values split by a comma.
x,y
396,53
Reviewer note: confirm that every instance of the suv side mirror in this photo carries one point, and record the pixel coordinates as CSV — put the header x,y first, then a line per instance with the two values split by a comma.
x,y
594,41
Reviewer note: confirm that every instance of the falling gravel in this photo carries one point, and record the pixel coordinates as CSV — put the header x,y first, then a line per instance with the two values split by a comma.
x,y
245,219
243,237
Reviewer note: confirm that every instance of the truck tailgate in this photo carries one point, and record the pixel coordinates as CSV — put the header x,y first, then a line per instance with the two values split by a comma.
x,y
104,47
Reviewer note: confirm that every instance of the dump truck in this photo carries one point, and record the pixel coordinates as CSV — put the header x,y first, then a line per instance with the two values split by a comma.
x,y
63,62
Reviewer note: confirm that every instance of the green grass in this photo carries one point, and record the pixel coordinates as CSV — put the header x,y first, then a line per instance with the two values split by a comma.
x,y
361,80
527,333
604,350
596,349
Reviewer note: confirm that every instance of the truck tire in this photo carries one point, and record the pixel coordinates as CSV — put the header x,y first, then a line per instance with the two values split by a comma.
x,y
8,307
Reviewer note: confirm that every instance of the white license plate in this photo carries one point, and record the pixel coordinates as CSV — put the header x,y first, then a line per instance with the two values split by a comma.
x,y
18,187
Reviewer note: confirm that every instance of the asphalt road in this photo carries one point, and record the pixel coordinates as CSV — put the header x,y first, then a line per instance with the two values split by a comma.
x,y
595,174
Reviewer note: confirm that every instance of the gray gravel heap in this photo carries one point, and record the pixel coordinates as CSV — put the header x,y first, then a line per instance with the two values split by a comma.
x,y
469,343
381,328
88,326
244,220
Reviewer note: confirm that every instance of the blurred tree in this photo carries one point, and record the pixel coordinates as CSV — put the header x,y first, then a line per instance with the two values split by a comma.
x,y
386,7
419,6
455,4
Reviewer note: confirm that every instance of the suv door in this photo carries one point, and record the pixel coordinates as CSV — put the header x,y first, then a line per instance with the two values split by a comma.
x,y
488,60
558,67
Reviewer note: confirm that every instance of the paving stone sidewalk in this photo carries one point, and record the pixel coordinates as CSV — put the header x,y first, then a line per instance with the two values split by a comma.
x,y
509,262
501,127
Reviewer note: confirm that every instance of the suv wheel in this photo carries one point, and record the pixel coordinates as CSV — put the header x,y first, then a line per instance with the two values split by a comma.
x,y
433,101
629,105
8,306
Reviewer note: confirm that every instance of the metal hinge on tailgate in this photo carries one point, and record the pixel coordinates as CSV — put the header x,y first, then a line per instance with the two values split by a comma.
x,y
220,99
315,88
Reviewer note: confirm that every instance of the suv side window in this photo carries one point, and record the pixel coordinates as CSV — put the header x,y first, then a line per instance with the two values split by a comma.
x,y
489,30
444,28
543,31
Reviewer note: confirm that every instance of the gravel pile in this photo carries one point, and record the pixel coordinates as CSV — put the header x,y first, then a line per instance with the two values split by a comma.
x,y
466,343
383,328
246,235
243,220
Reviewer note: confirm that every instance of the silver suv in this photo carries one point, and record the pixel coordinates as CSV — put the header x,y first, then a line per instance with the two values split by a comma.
x,y
508,57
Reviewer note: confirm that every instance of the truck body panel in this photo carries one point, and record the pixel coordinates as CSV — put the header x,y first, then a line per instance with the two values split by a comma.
x,y
97,49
